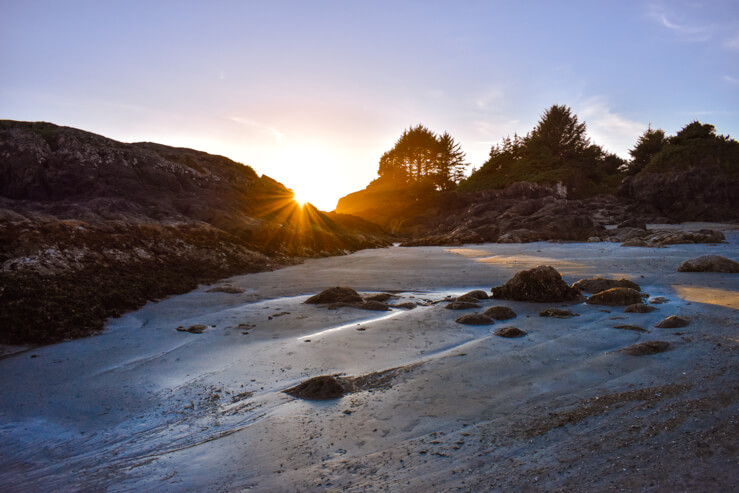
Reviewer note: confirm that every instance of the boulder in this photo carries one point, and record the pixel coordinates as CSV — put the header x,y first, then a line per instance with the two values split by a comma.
x,y
646,348
509,332
639,308
615,297
709,263
374,305
635,328
663,238
335,295
461,305
379,297
318,388
542,284
557,313
598,284
478,294
500,313
475,319
408,305
673,322
466,298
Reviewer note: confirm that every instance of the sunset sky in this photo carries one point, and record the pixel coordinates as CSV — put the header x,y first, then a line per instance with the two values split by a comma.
x,y
312,93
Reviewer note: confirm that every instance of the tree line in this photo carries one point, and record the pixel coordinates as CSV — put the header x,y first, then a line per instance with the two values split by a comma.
x,y
556,149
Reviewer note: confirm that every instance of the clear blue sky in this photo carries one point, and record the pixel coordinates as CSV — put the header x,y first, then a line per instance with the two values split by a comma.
x,y
313,92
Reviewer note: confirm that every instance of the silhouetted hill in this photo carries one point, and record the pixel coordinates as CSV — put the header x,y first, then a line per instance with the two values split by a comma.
x,y
91,227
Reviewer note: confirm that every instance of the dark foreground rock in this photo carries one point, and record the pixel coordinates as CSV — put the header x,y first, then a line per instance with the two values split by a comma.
x,y
598,284
709,263
673,322
542,284
193,329
475,319
318,388
639,308
646,348
500,313
461,305
557,313
336,294
510,332
615,297
635,328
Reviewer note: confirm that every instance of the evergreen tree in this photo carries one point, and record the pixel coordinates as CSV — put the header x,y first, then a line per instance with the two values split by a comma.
x,y
647,146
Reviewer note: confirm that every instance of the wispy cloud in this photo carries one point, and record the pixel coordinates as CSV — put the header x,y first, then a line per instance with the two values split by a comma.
x,y
278,136
732,43
674,22
614,132
731,80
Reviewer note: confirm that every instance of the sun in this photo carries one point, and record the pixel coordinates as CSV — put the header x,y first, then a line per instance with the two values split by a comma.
x,y
299,199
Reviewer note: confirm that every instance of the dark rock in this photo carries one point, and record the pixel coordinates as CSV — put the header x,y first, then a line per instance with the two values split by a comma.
x,y
461,305
500,313
374,305
380,297
510,332
615,297
658,300
672,322
475,319
467,298
646,348
407,305
478,294
639,308
633,223
542,284
664,238
318,388
635,328
709,263
335,295
557,313
597,284
193,329
636,243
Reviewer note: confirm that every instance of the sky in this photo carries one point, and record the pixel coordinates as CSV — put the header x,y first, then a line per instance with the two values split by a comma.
x,y
312,93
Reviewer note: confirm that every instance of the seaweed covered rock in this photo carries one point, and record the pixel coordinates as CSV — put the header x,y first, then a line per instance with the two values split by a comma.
x,y
673,322
475,319
709,263
615,297
542,284
335,295
598,284
509,332
318,388
646,348
639,308
500,313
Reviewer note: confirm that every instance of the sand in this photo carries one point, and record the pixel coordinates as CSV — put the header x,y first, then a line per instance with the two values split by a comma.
x,y
146,407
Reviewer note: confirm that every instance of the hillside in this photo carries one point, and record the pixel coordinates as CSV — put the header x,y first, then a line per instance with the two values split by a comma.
x,y
91,227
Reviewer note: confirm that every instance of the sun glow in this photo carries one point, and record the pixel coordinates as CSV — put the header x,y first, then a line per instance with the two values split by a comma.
x,y
299,199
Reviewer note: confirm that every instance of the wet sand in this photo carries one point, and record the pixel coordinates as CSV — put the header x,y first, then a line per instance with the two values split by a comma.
x,y
145,407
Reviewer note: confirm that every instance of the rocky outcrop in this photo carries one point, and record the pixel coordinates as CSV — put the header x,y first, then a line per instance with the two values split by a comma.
x,y
91,227
709,263
542,284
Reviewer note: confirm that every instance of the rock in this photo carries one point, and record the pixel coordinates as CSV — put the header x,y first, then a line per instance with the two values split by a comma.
x,y
672,322
461,305
635,243
664,238
379,297
632,223
374,305
318,388
646,348
557,313
193,329
598,284
615,297
658,300
407,306
635,328
225,289
542,284
500,313
639,308
467,298
335,295
475,319
709,263
509,332
478,294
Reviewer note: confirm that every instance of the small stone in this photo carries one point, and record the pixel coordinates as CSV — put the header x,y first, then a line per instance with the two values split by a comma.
x,y
500,313
672,322
557,313
475,319
639,308
510,332
646,348
615,297
461,305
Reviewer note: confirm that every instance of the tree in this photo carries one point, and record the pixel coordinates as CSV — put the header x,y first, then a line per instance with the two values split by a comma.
x,y
560,133
647,146
420,156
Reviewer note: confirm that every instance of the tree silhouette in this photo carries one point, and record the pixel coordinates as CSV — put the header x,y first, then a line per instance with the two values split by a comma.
x,y
420,156
647,146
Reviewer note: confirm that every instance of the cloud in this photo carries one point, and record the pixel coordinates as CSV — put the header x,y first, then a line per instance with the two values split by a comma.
x,y
276,134
732,43
692,33
614,132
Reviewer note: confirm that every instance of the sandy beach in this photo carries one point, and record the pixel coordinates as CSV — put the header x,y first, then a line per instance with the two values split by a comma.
x,y
445,406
